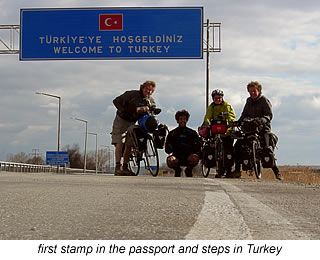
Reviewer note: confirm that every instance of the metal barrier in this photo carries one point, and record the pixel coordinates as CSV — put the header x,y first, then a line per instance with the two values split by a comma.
x,y
25,167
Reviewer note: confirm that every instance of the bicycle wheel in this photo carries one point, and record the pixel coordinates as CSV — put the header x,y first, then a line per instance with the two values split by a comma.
x,y
206,157
257,166
151,157
134,161
219,158
204,169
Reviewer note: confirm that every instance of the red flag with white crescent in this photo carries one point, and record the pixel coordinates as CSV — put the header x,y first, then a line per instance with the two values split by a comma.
x,y
110,22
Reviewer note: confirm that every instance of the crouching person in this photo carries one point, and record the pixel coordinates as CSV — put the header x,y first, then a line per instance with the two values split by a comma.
x,y
182,145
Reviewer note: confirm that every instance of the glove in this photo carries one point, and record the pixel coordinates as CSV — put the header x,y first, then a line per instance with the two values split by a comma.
x,y
141,110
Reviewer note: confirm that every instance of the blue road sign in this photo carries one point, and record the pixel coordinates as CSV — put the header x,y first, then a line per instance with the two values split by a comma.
x,y
111,33
57,158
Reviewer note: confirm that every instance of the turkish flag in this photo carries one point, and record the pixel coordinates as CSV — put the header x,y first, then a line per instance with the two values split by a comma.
x,y
110,22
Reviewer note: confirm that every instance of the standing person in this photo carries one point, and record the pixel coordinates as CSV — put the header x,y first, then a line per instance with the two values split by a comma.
x,y
219,105
131,105
259,107
182,144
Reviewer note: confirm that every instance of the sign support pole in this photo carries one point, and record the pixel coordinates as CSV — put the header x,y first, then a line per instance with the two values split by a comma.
x,y
216,47
208,66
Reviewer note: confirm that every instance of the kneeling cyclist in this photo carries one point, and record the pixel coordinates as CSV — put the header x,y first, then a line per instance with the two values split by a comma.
x,y
183,145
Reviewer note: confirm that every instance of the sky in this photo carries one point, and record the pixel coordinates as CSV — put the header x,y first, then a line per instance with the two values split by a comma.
x,y
275,42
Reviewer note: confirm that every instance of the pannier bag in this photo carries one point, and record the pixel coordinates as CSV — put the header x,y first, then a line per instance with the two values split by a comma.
x,y
267,158
249,127
273,140
246,158
204,131
148,123
229,156
208,157
160,135
218,126
138,136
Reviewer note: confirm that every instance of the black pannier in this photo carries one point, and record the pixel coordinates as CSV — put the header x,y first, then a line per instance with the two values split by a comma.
x,y
138,136
267,158
160,135
229,156
246,158
273,140
208,156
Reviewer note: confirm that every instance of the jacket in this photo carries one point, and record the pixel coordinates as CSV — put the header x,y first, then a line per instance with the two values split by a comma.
x,y
260,108
128,102
214,110
182,141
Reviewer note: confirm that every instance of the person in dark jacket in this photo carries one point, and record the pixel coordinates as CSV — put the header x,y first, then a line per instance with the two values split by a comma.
x,y
131,105
182,145
260,108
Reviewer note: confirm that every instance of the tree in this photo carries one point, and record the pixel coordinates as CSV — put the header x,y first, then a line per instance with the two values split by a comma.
x,y
105,159
36,160
18,158
75,157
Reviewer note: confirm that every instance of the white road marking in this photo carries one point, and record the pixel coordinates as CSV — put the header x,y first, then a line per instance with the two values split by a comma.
x,y
229,213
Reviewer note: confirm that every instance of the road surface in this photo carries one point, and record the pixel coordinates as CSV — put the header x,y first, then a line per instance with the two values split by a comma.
x,y
70,207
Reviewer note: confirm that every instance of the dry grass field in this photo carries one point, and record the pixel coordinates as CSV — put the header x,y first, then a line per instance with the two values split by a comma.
x,y
301,174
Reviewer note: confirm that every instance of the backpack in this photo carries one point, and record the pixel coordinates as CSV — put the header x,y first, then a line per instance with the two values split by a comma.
x,y
160,135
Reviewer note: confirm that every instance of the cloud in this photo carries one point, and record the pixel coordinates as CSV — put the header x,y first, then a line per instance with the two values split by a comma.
x,y
274,42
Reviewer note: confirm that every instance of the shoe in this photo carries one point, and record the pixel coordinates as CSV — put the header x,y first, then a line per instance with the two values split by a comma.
x,y
188,172
275,170
126,171
235,174
218,175
228,173
177,172
117,171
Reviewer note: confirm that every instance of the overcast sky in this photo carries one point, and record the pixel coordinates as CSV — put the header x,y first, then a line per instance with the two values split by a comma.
x,y
275,42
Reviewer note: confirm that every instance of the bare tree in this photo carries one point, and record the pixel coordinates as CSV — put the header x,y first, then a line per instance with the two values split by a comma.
x,y
75,157
18,158
36,160
104,159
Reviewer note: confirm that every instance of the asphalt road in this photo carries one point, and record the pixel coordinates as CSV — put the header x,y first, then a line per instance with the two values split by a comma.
x,y
48,206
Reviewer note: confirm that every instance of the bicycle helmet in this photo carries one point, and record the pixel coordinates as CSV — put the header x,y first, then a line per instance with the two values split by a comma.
x,y
217,92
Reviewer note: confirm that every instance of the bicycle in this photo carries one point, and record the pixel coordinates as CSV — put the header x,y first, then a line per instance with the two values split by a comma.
x,y
251,146
144,148
213,152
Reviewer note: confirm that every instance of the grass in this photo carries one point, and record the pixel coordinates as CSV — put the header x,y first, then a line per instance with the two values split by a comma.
x,y
302,174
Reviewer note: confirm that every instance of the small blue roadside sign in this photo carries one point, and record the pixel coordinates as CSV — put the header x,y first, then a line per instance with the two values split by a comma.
x,y
57,158
111,33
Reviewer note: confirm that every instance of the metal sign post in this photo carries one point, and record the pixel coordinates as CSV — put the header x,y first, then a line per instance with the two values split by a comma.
x,y
9,43
215,46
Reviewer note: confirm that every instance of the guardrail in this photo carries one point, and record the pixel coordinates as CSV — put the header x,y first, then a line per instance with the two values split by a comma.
x,y
26,167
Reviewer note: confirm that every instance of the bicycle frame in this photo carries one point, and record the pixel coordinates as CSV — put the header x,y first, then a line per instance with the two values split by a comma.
x,y
214,143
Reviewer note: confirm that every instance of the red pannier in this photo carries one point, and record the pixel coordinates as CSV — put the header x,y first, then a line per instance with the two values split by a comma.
x,y
218,126
204,131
